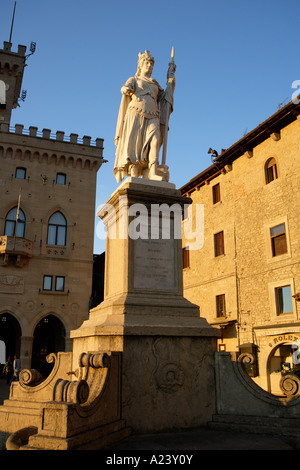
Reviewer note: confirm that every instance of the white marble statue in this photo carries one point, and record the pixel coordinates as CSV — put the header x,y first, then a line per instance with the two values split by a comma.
x,y
142,125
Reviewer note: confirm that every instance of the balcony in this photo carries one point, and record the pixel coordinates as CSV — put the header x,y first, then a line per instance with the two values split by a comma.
x,y
15,251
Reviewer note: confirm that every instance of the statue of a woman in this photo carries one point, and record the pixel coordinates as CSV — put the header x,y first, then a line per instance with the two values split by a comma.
x,y
142,123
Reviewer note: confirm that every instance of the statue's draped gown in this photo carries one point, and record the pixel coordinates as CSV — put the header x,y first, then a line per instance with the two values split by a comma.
x,y
140,117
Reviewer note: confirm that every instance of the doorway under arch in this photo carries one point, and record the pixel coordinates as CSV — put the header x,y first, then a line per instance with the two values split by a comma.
x,y
49,337
280,361
10,334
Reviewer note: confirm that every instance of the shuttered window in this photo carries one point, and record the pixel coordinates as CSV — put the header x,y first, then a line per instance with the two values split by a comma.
x,y
220,305
219,243
216,193
185,258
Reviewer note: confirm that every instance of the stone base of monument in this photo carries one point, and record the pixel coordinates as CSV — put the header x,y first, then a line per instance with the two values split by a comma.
x,y
167,349
144,360
71,409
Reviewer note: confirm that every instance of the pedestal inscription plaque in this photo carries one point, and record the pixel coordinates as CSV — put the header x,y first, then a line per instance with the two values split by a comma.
x,y
154,265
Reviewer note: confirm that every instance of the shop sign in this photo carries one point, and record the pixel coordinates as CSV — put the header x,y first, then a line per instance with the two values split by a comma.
x,y
295,346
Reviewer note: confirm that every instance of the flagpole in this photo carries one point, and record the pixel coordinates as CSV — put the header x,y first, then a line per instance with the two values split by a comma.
x,y
17,216
12,22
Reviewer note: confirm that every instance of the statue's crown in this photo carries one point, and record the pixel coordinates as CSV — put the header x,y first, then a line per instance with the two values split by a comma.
x,y
145,55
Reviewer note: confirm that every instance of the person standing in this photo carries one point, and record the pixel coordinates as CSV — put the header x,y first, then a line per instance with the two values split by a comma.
x,y
17,368
7,370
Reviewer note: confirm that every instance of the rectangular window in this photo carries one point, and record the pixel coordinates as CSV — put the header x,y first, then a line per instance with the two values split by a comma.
x,y
185,257
278,240
60,283
220,304
216,193
219,243
284,302
60,178
47,284
20,173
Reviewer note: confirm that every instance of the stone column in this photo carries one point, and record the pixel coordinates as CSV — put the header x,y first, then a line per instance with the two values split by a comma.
x,y
26,351
167,348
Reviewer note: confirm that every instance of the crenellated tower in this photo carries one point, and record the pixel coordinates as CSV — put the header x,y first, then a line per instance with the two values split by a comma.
x,y
45,280
12,66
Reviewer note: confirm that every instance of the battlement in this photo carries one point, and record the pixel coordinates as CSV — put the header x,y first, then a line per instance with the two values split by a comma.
x,y
7,48
17,142
12,66
59,136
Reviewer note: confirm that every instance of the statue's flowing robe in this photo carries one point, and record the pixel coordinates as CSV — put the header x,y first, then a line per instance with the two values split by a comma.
x,y
141,116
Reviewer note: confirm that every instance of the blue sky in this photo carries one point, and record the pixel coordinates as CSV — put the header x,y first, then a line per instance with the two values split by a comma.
x,y
236,62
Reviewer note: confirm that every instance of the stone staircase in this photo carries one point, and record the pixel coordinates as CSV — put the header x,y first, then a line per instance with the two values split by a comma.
x,y
285,428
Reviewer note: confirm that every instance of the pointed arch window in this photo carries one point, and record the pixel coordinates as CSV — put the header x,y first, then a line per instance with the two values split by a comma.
x,y
57,229
15,223
271,170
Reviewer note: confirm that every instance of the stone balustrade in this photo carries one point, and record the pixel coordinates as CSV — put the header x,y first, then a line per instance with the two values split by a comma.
x,y
15,245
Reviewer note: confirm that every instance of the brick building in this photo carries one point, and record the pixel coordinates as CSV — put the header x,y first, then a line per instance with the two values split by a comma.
x,y
246,275
47,211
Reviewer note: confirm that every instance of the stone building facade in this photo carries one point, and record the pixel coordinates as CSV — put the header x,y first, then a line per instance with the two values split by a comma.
x,y
47,212
245,276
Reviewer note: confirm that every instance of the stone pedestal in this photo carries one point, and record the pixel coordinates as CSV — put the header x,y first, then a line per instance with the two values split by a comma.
x,y
167,349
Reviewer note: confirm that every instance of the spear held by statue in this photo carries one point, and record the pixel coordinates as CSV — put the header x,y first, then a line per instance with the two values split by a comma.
x,y
169,103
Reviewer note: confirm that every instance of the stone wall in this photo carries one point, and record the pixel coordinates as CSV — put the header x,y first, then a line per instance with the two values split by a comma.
x,y
247,273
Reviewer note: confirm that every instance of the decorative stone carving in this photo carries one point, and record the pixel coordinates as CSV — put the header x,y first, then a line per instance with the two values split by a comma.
x,y
11,284
30,305
81,412
29,377
94,360
290,385
54,252
71,392
169,376
247,358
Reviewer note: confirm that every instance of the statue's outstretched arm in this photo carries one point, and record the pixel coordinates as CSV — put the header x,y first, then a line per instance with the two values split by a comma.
x,y
129,87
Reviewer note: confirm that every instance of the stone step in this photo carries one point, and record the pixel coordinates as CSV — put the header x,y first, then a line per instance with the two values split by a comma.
x,y
10,414
93,439
257,424
17,404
